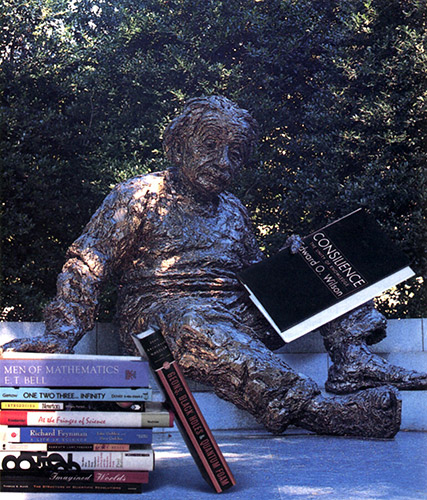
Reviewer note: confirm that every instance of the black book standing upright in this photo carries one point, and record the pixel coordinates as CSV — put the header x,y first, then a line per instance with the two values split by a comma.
x,y
189,419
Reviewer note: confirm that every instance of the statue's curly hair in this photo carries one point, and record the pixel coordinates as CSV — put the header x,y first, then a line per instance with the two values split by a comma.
x,y
193,113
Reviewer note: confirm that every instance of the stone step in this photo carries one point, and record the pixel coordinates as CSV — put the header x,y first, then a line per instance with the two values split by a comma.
x,y
407,335
222,415
405,345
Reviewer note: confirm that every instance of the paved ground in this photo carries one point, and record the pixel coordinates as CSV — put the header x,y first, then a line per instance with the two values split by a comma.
x,y
295,466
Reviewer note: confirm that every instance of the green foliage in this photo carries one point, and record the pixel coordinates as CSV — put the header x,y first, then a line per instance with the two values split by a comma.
x,y
87,87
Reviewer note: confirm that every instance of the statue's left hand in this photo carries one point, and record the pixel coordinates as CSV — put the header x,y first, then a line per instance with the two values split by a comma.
x,y
44,343
293,243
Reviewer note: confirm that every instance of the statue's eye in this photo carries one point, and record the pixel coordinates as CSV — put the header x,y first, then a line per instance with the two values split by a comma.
x,y
235,155
210,144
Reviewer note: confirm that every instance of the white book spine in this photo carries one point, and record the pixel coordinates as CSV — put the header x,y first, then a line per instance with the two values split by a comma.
x,y
142,459
133,419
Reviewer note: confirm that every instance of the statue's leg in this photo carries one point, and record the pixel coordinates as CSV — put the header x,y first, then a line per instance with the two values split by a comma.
x,y
354,366
214,348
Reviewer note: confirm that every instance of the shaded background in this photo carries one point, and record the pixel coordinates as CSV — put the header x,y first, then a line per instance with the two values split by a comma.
x,y
87,88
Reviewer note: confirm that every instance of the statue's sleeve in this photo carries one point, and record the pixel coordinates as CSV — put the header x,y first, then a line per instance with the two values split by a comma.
x,y
105,241
253,253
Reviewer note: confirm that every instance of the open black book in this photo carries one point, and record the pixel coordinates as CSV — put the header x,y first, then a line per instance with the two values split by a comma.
x,y
339,267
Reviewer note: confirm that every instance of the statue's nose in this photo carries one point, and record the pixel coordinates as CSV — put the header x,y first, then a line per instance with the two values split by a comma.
x,y
224,160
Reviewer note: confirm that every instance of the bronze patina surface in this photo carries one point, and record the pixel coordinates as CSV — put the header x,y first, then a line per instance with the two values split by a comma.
x,y
174,241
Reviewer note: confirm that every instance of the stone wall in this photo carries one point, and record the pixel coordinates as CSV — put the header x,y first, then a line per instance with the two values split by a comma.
x,y
405,345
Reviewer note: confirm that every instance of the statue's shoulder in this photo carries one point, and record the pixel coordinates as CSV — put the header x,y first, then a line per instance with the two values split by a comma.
x,y
233,202
142,185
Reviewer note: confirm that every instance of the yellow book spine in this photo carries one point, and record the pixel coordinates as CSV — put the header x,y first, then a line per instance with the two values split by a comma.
x,y
28,405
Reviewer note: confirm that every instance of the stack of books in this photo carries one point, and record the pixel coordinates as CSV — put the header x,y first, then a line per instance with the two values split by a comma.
x,y
76,423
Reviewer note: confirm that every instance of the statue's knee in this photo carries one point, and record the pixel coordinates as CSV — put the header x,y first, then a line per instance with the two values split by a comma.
x,y
191,321
369,322
377,327
374,319
361,321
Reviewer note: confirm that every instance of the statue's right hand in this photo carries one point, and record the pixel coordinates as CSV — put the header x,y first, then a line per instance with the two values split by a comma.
x,y
45,343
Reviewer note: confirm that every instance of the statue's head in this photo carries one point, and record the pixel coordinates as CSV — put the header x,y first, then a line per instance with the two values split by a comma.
x,y
209,142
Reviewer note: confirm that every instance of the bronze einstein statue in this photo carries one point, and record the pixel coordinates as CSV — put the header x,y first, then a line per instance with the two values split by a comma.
x,y
174,241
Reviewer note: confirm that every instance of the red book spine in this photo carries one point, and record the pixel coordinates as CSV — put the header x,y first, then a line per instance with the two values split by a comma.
x,y
13,417
189,418
130,476
43,476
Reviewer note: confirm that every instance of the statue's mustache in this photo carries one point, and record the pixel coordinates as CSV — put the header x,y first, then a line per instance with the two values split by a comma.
x,y
216,171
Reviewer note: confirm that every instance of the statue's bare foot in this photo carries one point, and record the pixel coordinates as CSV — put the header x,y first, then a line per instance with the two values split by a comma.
x,y
43,343
372,413
372,371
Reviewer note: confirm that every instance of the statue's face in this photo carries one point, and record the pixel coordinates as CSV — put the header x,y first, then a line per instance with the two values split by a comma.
x,y
213,154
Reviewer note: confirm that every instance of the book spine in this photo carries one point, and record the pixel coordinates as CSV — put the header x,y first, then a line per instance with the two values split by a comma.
x,y
35,486
27,405
74,406
86,419
75,373
136,395
66,447
80,477
76,460
70,435
190,421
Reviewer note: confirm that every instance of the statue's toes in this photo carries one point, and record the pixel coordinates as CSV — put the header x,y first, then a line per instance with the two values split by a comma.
x,y
407,380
